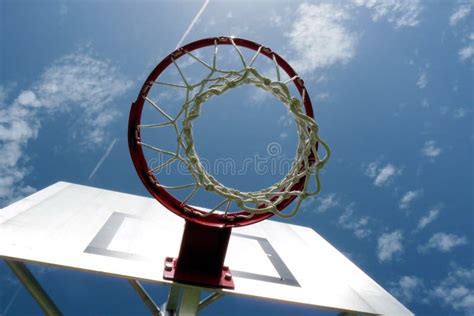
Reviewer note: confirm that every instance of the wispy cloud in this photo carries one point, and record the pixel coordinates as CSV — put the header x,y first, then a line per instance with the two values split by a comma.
x,y
422,80
430,149
385,175
286,120
382,175
443,242
425,103
77,80
17,127
319,37
461,11
407,288
84,81
389,245
276,19
456,290
467,52
406,199
459,113
326,202
428,218
191,25
400,13
358,225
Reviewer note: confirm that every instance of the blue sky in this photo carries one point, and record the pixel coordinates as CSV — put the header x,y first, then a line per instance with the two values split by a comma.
x,y
391,84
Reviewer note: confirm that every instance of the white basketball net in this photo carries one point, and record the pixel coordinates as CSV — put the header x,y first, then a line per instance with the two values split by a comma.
x,y
307,162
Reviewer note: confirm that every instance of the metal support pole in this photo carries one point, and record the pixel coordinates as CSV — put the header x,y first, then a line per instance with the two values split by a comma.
x,y
189,302
154,309
209,300
34,288
171,305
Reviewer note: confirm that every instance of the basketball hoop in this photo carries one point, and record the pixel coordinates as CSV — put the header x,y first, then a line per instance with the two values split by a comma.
x,y
253,206
207,233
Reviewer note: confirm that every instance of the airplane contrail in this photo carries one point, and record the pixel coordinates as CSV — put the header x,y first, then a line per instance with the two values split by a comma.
x,y
103,158
192,23
12,300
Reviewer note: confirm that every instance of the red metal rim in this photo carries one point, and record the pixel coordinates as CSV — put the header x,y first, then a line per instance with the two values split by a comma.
x,y
141,166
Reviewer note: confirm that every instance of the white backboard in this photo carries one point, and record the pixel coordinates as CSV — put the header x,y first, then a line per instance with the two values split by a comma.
x,y
91,229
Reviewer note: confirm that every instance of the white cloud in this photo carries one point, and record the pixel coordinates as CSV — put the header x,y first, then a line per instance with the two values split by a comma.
x,y
382,175
407,288
286,120
16,128
425,103
80,80
408,198
389,244
459,113
319,38
460,12
257,97
358,225
430,150
443,242
371,170
456,290
326,202
3,95
428,218
276,20
28,97
386,174
73,81
400,13
467,52
63,10
322,96
422,80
